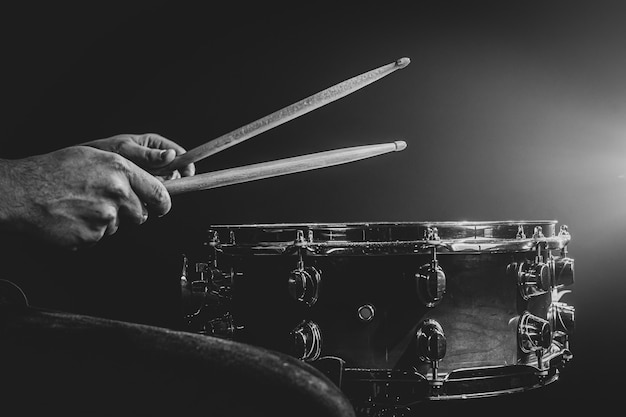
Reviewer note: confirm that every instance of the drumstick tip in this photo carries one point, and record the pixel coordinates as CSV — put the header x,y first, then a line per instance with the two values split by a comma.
x,y
400,145
402,62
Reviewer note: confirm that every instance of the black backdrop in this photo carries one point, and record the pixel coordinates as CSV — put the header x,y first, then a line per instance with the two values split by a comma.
x,y
510,111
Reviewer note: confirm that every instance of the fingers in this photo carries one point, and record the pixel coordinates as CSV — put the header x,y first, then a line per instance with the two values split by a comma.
x,y
130,190
104,219
188,170
152,140
131,208
145,156
149,190
152,151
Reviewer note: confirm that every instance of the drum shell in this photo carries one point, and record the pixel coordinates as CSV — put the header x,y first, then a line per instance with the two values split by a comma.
x,y
478,311
396,313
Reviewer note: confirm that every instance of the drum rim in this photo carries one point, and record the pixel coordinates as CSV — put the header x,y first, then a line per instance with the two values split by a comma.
x,y
381,238
446,223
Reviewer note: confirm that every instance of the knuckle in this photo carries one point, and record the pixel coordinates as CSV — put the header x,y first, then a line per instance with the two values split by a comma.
x,y
112,163
118,188
117,161
108,214
162,197
150,139
86,237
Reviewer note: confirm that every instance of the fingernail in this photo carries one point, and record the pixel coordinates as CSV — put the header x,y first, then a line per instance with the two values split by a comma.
x,y
163,153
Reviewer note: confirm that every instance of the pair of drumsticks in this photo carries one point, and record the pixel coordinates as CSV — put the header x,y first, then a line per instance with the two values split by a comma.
x,y
289,165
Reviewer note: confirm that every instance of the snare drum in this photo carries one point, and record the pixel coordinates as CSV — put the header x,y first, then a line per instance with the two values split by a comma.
x,y
395,313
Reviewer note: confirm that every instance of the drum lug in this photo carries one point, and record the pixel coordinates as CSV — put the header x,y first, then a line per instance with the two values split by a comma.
x,y
304,282
564,317
563,271
563,321
534,333
533,279
307,339
212,314
213,279
431,282
303,285
207,299
565,236
535,336
431,347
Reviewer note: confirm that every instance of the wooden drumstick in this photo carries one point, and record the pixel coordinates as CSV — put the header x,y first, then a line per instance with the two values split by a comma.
x,y
284,115
280,167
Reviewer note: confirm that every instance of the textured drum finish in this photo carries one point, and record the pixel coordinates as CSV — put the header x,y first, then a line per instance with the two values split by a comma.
x,y
407,312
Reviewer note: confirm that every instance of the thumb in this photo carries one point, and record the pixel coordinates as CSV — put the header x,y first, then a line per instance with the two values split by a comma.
x,y
147,157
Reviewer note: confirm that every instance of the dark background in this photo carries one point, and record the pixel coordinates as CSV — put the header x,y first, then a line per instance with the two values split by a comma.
x,y
511,111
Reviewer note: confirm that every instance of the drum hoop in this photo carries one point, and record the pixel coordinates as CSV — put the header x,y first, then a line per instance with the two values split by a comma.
x,y
385,238
482,377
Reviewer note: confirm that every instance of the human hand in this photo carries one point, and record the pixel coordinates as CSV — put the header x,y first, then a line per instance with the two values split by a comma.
x,y
149,151
74,196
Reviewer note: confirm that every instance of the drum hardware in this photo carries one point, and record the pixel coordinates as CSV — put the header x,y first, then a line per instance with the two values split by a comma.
x,y
562,271
214,280
304,282
533,278
389,411
196,295
211,276
300,241
501,335
332,367
564,235
385,392
214,242
211,309
213,294
431,234
538,277
366,312
431,347
431,281
223,327
562,318
307,341
535,336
